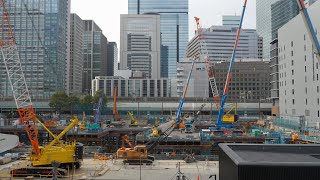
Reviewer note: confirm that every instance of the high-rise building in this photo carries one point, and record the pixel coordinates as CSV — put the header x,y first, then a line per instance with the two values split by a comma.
x,y
112,58
281,12
232,21
41,30
220,42
75,66
250,80
299,71
173,26
263,14
140,44
95,54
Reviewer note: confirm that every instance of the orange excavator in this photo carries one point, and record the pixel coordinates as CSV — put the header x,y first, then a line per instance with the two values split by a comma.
x,y
134,154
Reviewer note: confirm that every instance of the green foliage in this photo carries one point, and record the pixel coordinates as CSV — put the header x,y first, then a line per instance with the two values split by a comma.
x,y
58,101
97,96
86,100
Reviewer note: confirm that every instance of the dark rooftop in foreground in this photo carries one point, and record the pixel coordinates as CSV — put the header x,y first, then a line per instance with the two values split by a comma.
x,y
273,153
269,161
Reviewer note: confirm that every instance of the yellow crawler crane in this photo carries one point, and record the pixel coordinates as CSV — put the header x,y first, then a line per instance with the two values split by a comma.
x,y
64,153
68,155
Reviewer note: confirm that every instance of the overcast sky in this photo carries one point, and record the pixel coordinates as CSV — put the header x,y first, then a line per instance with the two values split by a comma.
x,y
106,13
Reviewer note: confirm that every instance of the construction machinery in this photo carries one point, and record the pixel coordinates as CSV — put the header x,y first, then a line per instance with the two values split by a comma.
x,y
191,124
313,36
140,154
220,123
133,122
231,118
96,126
155,131
41,156
83,123
182,98
115,110
209,66
134,154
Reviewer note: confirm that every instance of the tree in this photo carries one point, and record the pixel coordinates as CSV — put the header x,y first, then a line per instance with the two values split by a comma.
x,y
97,96
72,102
87,103
58,101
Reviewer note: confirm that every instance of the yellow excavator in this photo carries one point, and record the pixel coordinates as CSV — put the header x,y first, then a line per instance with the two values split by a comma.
x,y
133,122
83,123
155,131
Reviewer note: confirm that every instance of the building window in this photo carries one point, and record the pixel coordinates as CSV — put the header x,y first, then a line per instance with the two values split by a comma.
x,y
307,112
305,68
291,53
291,43
304,37
305,58
306,101
292,91
317,77
293,101
305,79
292,81
317,89
306,90
318,113
292,72
318,101
305,48
292,63
285,92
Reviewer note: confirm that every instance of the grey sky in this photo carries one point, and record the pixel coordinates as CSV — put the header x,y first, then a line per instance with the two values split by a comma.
x,y
106,13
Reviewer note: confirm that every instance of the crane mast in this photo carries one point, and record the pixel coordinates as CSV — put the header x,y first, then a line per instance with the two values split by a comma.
x,y
210,69
226,87
17,79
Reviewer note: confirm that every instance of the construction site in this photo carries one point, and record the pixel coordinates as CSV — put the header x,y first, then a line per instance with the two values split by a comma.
x,y
180,140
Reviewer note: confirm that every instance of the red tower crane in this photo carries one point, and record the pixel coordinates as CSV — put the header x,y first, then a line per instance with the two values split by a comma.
x,y
17,79
209,67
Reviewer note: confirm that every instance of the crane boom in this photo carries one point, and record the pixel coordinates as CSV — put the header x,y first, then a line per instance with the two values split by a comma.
x,y
17,79
310,28
182,98
98,110
115,110
226,87
210,68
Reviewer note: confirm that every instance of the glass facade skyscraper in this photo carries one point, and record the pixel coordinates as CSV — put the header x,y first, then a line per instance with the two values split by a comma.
x,y
173,27
95,46
41,30
264,24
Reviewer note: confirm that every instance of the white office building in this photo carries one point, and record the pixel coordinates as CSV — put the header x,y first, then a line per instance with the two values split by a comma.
x,y
220,43
299,83
132,87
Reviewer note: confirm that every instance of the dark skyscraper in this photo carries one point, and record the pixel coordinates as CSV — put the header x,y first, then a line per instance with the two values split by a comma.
x,y
173,27
112,58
